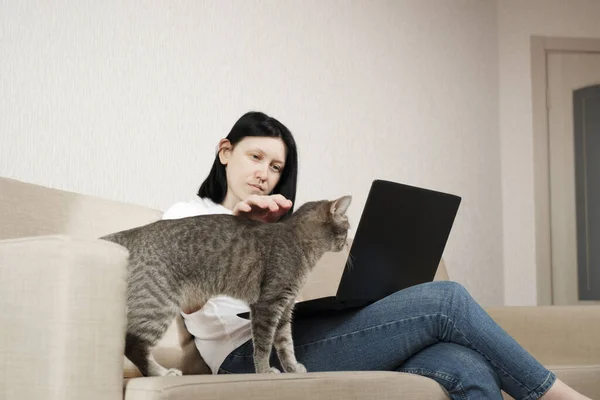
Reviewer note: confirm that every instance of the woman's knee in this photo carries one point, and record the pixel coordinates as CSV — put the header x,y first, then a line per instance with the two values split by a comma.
x,y
450,290
447,298
441,298
450,286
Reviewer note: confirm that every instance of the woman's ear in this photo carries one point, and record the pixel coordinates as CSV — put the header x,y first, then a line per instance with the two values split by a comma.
x,y
224,150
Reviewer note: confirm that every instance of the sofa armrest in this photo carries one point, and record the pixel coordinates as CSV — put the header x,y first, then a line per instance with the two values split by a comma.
x,y
63,318
555,335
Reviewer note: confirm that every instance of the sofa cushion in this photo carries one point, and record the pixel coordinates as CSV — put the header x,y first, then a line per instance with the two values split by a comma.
x,y
314,386
330,385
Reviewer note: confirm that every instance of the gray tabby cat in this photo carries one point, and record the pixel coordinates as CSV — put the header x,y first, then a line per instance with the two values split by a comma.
x,y
182,263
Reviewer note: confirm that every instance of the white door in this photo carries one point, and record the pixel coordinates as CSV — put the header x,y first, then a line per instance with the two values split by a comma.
x,y
574,146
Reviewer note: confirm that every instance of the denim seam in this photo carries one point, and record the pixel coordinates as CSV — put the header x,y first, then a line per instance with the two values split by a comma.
x,y
543,388
458,388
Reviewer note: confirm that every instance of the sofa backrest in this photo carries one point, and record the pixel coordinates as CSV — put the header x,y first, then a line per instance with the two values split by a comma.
x,y
33,210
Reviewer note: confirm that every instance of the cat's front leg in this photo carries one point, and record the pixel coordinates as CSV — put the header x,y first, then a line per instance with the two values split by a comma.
x,y
284,343
265,317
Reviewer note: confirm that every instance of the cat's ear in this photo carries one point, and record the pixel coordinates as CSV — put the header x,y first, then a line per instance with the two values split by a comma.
x,y
339,206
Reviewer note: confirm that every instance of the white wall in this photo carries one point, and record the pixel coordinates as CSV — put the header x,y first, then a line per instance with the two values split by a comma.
x,y
517,21
127,100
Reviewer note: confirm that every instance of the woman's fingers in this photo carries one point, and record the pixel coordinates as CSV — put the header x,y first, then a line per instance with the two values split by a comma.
x,y
264,202
245,207
256,201
263,208
282,201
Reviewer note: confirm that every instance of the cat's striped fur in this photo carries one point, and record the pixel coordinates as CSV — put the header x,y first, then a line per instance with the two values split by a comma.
x,y
180,264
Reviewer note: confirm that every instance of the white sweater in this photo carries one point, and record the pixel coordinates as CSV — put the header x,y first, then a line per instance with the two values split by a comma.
x,y
216,327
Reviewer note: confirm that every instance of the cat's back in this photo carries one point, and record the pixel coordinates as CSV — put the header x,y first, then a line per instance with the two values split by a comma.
x,y
183,231
211,225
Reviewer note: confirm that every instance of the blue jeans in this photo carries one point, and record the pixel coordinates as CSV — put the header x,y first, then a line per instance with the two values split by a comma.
x,y
434,329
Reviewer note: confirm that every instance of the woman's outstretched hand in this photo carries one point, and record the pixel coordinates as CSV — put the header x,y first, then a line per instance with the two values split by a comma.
x,y
263,208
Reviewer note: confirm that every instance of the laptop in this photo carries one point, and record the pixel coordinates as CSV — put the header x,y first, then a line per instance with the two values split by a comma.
x,y
398,243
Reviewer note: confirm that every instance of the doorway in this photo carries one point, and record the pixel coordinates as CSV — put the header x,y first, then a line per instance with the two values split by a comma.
x,y
567,165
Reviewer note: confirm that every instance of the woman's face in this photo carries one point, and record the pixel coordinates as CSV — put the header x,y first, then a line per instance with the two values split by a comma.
x,y
253,166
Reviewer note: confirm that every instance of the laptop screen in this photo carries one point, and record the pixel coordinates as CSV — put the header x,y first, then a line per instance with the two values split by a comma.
x,y
399,240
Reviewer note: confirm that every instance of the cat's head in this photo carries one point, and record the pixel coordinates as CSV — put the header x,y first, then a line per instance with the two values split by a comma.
x,y
327,220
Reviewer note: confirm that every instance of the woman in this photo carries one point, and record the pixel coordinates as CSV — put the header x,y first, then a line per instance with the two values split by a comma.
x,y
435,329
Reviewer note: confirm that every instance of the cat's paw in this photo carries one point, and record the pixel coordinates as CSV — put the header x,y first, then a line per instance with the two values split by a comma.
x,y
295,368
173,372
299,369
274,370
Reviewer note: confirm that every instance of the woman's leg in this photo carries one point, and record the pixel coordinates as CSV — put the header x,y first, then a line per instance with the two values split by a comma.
x,y
464,373
385,334
561,390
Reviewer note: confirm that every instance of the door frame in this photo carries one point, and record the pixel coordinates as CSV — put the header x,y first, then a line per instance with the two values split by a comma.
x,y
541,46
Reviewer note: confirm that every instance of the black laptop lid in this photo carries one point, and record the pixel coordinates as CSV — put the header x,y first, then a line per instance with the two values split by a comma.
x,y
399,240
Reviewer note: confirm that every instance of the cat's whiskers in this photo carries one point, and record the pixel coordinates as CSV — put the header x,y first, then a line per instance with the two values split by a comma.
x,y
350,261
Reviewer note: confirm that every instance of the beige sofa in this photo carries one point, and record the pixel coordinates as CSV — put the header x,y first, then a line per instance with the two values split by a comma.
x,y
63,313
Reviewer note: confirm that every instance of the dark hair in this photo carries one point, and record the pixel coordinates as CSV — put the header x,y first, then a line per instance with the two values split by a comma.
x,y
256,124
